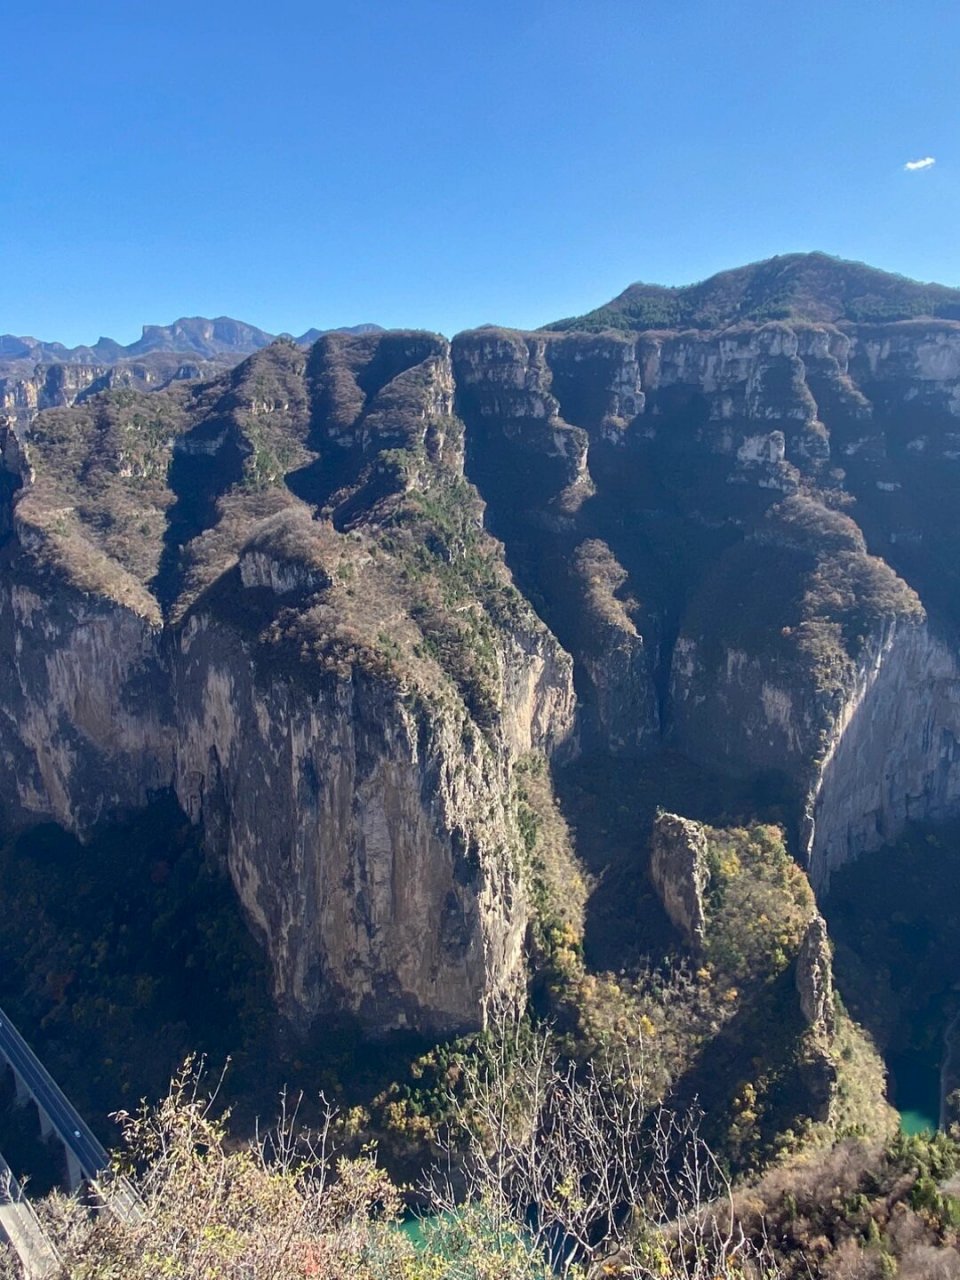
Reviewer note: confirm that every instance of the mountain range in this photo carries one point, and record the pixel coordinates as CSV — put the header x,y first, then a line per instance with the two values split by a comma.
x,y
813,287
195,336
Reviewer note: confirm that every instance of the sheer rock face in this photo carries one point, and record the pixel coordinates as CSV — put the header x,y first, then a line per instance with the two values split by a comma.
x,y
771,503
678,868
21,397
23,394
372,851
893,753
336,676
86,704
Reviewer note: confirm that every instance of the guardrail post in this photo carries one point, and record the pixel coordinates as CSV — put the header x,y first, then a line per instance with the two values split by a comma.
x,y
74,1172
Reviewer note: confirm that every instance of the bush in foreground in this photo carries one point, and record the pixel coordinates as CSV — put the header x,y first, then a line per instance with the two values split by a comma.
x,y
548,1171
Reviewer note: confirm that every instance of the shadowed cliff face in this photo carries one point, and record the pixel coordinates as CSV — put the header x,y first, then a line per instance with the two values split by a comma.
x,y
276,593
744,540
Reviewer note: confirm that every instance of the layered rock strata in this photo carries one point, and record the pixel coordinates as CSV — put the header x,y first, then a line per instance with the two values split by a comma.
x,y
765,512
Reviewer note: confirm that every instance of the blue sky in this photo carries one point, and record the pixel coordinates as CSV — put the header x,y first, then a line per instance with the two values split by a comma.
x,y
445,163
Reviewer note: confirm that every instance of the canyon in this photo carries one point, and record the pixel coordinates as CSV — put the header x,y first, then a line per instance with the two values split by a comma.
x,y
334,598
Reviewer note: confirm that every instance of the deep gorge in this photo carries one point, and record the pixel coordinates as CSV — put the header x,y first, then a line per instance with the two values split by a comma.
x,y
417,637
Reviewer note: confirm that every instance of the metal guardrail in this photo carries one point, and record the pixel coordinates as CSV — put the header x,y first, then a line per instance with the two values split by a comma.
x,y
21,1227
72,1130
88,1156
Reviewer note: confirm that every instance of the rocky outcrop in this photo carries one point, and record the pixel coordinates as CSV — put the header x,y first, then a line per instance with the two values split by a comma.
x,y
814,981
679,871
814,977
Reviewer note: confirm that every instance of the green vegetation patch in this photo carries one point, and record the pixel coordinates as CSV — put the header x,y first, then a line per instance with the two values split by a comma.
x,y
792,287
758,904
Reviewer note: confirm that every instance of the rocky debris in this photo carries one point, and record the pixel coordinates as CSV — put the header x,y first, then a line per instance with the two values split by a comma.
x,y
678,868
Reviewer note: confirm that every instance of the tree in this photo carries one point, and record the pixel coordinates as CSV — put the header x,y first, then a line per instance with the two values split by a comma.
x,y
579,1164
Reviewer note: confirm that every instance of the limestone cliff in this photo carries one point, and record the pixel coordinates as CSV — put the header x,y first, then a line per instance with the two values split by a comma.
x,y
893,755
274,595
743,536
24,392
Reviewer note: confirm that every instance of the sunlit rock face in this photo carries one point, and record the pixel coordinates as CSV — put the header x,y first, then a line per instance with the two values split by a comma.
x,y
335,675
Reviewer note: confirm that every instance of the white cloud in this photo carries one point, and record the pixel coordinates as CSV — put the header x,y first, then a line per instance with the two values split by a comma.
x,y
926,163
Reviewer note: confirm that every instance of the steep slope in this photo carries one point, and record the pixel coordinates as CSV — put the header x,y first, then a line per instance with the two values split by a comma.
x,y
272,593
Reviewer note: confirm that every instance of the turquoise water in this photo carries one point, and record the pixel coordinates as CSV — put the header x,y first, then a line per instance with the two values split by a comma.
x,y
917,1122
915,1077
415,1227
412,1228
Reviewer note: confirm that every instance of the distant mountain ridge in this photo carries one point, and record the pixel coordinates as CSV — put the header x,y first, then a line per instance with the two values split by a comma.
x,y
814,287
197,336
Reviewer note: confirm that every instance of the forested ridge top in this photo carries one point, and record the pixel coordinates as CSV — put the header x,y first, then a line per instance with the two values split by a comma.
x,y
795,286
